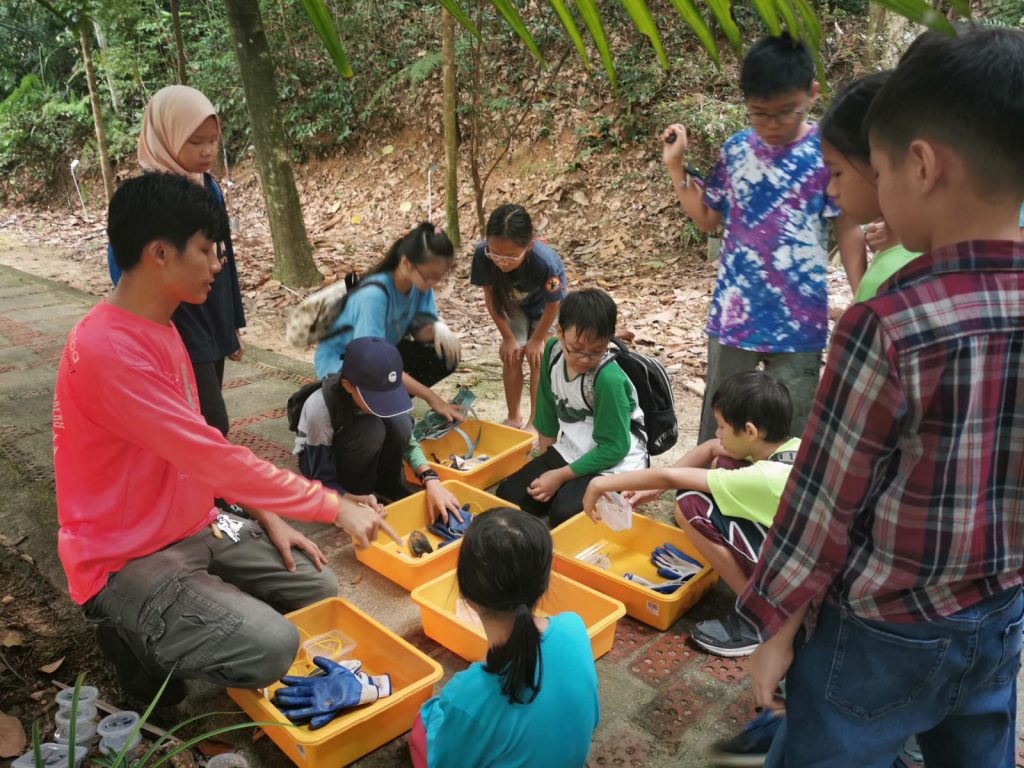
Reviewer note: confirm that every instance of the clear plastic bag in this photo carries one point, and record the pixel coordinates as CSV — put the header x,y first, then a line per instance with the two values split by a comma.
x,y
615,511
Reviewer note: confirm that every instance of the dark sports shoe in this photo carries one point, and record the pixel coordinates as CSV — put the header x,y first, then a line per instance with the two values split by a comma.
x,y
749,747
138,683
729,636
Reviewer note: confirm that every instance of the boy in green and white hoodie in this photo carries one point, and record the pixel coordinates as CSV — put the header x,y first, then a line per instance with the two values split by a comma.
x,y
589,424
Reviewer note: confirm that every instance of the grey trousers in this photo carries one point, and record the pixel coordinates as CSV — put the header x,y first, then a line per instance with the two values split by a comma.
x,y
211,608
797,370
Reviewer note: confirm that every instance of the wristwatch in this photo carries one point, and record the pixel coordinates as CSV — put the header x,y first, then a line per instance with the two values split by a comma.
x,y
427,474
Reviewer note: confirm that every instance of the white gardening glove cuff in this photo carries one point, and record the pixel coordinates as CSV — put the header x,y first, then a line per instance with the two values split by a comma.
x,y
447,344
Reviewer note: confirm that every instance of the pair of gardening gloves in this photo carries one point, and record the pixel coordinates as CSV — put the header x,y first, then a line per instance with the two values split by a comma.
x,y
673,565
328,692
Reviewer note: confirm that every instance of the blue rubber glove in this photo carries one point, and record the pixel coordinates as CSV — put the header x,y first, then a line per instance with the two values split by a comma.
x,y
321,698
672,563
453,529
665,587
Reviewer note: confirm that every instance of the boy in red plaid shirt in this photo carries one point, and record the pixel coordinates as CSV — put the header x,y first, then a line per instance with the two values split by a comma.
x,y
898,546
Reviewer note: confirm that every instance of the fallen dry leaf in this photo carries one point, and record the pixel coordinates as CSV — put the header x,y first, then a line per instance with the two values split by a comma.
x,y
11,638
211,747
53,666
7,599
12,736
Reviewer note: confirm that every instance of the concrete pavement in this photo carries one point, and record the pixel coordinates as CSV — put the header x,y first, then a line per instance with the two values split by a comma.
x,y
663,701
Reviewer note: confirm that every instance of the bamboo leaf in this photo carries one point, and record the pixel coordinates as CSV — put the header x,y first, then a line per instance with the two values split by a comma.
x,y
696,23
920,12
571,29
460,16
766,10
721,10
506,9
811,23
641,16
790,20
592,21
322,22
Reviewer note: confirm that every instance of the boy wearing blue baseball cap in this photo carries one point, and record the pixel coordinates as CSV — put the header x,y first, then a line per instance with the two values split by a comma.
x,y
354,430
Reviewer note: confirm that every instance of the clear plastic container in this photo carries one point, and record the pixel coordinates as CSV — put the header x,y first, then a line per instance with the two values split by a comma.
x,y
87,696
85,731
109,747
115,729
54,756
334,645
227,760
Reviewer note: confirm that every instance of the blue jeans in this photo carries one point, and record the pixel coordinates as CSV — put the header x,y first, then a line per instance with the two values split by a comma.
x,y
857,689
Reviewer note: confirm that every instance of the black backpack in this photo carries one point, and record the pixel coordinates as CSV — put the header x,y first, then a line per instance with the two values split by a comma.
x,y
660,429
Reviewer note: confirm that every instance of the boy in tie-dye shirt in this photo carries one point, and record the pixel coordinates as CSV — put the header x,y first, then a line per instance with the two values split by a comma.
x,y
770,304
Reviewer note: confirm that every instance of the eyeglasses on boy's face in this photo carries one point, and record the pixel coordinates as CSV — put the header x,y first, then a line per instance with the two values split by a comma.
x,y
499,258
579,353
759,119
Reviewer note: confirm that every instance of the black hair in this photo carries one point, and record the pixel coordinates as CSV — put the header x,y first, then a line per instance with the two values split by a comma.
x,y
756,397
964,92
775,66
160,206
422,242
843,124
504,567
511,222
591,311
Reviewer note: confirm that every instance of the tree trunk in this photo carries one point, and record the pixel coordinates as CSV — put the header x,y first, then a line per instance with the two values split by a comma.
x,y
885,32
475,127
179,43
293,260
97,114
101,39
451,138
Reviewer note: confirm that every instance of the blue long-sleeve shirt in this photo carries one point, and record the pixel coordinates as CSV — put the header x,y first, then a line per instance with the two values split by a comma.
x,y
372,312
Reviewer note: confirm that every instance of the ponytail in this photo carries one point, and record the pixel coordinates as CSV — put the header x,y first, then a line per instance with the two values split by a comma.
x,y
511,222
504,568
518,661
419,244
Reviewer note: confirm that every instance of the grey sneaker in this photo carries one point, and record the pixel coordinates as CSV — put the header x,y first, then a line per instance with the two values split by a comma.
x,y
729,636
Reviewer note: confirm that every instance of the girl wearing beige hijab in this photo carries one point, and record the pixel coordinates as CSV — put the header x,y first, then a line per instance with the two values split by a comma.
x,y
180,134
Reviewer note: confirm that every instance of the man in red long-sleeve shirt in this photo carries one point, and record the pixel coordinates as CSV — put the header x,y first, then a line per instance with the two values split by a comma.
x,y
168,580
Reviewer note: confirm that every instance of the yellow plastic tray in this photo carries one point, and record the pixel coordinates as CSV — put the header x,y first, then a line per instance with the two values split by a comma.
x,y
630,552
508,448
437,601
363,729
396,562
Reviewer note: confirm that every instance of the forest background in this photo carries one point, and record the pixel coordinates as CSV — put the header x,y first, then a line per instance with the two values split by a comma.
x,y
368,152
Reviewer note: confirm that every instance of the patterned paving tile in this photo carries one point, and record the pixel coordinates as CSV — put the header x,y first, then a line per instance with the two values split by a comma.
x,y
664,658
623,748
259,418
264,448
630,636
725,670
676,709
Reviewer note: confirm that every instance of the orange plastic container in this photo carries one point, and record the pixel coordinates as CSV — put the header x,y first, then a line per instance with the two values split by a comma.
x,y
363,729
437,601
507,447
630,552
396,562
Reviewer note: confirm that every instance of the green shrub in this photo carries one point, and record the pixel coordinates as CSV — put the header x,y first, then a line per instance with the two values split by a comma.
x,y
39,130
